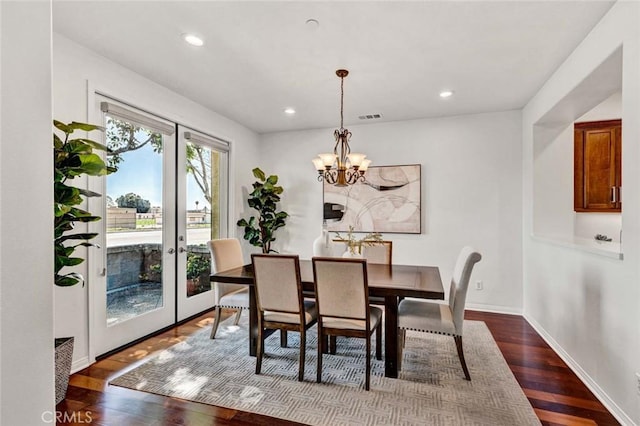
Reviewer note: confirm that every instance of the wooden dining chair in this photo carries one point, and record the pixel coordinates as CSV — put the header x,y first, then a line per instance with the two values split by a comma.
x,y
226,253
342,298
377,252
441,318
380,252
280,302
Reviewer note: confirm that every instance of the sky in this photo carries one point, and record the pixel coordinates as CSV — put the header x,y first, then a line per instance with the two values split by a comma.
x,y
141,173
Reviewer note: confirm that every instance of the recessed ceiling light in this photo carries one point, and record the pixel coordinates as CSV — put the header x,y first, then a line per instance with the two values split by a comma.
x,y
312,23
446,93
289,111
193,39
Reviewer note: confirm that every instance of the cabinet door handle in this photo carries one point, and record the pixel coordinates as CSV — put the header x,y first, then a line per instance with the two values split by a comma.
x,y
613,194
620,194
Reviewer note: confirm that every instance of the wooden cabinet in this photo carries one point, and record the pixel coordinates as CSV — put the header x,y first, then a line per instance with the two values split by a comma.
x,y
597,166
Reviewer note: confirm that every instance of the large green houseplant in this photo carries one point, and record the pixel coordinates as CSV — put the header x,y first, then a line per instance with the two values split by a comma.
x,y
72,158
264,198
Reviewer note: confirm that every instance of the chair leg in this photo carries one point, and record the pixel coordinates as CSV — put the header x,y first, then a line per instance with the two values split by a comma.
x,y
259,350
368,369
332,345
379,341
216,322
283,338
303,345
458,340
401,337
237,318
321,344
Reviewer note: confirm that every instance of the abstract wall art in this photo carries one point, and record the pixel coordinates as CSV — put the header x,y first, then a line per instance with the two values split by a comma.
x,y
388,201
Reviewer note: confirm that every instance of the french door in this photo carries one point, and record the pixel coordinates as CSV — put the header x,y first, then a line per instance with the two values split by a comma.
x,y
162,205
202,179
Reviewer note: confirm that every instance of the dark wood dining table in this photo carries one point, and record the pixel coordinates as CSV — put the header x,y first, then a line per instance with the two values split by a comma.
x,y
388,281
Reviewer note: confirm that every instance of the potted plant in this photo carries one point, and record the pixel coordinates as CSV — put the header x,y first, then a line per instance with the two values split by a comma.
x,y
198,271
264,198
72,157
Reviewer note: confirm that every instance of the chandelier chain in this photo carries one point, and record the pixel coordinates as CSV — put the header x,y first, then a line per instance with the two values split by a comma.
x,y
341,102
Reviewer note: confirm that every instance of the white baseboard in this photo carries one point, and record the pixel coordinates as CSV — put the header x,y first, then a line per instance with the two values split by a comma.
x,y
80,364
493,308
602,396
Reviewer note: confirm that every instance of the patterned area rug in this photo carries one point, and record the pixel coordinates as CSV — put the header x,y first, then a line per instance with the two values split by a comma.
x,y
431,388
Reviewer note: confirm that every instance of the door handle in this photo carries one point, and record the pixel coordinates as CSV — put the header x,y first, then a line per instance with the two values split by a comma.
x,y
613,194
171,251
182,250
620,194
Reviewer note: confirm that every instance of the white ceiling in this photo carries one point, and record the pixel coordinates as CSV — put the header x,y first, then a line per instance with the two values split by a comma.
x,y
260,57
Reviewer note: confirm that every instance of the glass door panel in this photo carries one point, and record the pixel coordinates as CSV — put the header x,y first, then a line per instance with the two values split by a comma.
x,y
133,291
203,201
134,221
201,189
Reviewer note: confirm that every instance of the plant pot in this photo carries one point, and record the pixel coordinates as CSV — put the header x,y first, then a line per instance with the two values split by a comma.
x,y
64,357
192,286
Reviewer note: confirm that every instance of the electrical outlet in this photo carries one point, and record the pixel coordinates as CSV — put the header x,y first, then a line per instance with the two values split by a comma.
x,y
479,285
638,382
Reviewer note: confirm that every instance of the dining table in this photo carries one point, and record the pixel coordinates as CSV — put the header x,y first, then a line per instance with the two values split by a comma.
x,y
390,282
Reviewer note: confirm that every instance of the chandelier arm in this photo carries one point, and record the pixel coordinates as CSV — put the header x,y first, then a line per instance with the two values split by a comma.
x,y
337,135
351,177
329,177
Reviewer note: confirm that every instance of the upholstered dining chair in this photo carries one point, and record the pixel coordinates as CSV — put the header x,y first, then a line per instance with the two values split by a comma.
x,y
281,304
342,298
226,253
380,252
440,317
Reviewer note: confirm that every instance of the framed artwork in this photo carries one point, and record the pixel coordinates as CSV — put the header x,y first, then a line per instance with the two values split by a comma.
x,y
388,201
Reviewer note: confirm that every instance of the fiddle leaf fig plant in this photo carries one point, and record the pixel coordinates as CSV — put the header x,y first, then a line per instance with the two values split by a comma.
x,y
264,198
73,157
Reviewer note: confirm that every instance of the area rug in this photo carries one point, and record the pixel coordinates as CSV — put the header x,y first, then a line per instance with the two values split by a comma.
x,y
431,389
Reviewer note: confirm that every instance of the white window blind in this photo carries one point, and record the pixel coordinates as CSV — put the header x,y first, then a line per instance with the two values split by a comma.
x,y
217,144
147,121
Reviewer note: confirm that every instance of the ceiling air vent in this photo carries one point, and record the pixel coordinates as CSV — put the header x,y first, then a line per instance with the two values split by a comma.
x,y
370,117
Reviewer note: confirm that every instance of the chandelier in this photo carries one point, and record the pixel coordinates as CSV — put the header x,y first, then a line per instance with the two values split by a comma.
x,y
342,167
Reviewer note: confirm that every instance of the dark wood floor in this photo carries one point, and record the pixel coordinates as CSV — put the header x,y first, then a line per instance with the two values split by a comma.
x,y
556,394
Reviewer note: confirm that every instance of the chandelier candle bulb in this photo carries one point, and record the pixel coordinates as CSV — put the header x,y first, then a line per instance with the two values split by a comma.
x,y
355,159
327,159
318,163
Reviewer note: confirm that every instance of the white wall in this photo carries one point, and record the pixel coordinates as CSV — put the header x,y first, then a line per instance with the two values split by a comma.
x,y
73,67
26,222
553,187
588,306
471,192
609,109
